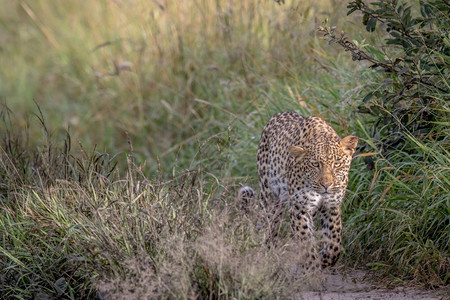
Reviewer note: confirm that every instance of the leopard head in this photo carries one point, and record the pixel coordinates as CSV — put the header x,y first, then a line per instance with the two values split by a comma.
x,y
323,166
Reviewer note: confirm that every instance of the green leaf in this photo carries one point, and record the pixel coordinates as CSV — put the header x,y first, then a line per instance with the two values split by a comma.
x,y
368,96
394,42
371,24
365,18
395,33
351,11
406,17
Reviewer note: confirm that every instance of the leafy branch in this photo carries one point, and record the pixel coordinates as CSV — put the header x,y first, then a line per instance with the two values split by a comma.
x,y
413,88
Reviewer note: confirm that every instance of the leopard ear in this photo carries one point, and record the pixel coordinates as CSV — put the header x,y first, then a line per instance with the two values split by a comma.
x,y
349,144
296,151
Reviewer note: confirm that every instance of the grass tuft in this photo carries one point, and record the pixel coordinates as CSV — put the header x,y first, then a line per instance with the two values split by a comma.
x,y
148,116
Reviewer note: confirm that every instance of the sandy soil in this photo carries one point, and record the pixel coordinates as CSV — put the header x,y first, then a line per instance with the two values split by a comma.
x,y
352,286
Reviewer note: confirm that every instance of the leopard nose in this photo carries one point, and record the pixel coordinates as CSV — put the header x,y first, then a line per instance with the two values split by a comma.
x,y
326,185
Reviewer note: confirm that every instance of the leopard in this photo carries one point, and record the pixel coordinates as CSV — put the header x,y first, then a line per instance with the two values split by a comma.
x,y
303,167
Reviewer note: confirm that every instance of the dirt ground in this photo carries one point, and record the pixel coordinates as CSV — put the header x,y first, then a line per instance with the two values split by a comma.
x,y
352,286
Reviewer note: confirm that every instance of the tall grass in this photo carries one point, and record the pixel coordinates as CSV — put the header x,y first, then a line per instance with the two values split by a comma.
x,y
168,74
147,121
398,220
91,232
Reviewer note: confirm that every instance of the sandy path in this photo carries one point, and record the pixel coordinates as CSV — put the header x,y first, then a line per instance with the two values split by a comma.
x,y
351,286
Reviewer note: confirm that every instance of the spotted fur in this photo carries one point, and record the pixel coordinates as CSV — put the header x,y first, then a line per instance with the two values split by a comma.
x,y
303,167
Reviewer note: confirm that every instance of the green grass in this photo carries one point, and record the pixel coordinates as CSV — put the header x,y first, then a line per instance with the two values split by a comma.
x,y
128,128
180,69
398,220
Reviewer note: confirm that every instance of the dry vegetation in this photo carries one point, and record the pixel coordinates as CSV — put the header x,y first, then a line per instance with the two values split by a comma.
x,y
128,126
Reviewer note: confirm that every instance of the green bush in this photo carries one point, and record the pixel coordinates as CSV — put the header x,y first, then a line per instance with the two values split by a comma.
x,y
411,88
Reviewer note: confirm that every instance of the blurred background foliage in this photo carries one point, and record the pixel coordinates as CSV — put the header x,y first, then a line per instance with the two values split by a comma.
x,y
166,73
148,114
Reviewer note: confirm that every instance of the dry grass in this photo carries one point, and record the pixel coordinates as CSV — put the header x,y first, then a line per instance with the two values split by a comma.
x,y
226,260
175,97
93,233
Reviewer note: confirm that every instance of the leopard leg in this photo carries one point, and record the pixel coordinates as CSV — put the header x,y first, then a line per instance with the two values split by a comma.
x,y
273,209
273,213
303,226
331,223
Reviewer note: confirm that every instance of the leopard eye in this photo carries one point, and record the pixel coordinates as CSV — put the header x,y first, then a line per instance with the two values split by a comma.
x,y
338,164
315,164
